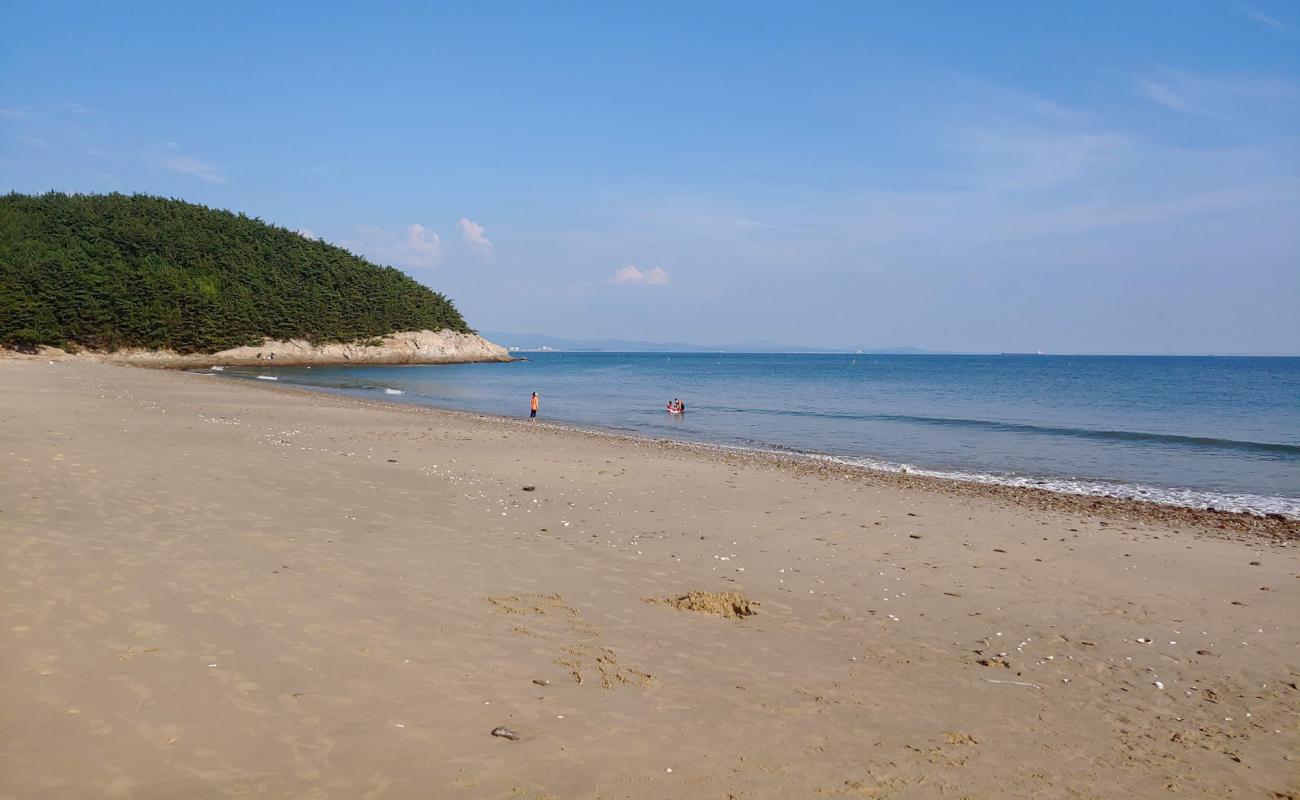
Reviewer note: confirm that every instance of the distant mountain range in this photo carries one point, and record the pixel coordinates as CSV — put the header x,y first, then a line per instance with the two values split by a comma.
x,y
541,341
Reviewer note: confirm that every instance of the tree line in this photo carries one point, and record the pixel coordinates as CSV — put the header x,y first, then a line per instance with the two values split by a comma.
x,y
113,271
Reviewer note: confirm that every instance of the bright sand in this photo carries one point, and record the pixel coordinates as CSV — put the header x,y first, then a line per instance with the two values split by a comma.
x,y
216,589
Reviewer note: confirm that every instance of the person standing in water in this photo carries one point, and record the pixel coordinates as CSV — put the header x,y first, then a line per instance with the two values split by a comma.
x,y
533,413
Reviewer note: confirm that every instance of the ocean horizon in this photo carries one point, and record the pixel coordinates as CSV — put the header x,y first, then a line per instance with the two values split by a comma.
x,y
1198,431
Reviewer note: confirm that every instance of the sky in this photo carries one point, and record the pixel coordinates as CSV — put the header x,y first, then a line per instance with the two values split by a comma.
x,y
1100,177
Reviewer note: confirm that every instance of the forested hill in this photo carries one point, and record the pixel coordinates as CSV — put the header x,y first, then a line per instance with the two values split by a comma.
x,y
113,271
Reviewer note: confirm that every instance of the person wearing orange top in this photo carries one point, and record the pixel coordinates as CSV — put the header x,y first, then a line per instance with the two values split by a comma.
x,y
533,414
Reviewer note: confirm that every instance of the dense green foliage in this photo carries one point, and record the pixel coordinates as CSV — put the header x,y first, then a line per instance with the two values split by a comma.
x,y
111,271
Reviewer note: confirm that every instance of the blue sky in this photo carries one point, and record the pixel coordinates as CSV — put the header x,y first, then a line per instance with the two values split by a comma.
x,y
1088,177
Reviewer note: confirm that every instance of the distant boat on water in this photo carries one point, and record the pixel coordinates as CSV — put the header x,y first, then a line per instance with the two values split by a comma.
x,y
1039,353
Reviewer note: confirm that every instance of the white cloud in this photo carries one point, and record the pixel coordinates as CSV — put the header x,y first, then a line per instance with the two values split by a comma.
x,y
628,274
308,233
655,276
473,232
189,165
422,245
416,246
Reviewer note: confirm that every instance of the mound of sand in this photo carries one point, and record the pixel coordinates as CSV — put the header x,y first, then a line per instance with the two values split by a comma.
x,y
730,605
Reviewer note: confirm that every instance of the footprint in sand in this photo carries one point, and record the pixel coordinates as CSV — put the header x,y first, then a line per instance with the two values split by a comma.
x,y
582,652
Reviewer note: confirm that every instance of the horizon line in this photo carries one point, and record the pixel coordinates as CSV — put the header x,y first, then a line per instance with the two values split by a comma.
x,y
833,352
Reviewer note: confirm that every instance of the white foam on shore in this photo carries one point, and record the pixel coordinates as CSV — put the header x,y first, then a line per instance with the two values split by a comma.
x,y
1241,502
215,368
394,391
267,378
1238,502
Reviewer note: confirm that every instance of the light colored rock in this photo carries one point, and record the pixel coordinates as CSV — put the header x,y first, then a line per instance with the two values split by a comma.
x,y
407,347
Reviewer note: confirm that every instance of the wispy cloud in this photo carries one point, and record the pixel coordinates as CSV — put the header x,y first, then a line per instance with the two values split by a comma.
x,y
1085,217
1244,101
1140,185
1004,174
28,112
72,108
1265,19
416,246
173,161
655,276
308,233
1006,180
1018,103
473,232
999,160
1163,95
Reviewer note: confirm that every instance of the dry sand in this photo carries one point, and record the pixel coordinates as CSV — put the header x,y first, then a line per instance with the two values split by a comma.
x,y
216,589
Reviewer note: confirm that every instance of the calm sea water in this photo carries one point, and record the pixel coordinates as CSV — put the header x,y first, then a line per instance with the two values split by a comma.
x,y
1222,432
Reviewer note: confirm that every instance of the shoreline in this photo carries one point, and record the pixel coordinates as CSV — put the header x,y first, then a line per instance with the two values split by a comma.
x,y
1275,526
1272,525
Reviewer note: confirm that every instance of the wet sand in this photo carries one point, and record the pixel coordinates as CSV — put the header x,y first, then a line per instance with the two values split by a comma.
x,y
216,589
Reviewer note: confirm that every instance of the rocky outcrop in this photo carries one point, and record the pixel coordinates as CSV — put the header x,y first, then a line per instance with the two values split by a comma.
x,y
408,347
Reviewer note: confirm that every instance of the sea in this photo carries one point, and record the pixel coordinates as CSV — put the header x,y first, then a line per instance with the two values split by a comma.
x,y
1220,432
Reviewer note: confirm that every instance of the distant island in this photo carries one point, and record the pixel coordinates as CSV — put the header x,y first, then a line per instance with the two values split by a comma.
x,y
113,272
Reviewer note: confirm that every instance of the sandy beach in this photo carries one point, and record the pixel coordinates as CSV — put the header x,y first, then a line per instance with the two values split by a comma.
x,y
215,589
